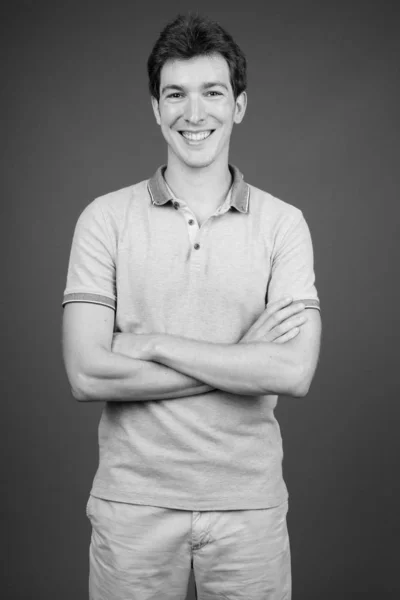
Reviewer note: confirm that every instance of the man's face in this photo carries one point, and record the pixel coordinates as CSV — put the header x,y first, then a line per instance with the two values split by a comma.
x,y
197,110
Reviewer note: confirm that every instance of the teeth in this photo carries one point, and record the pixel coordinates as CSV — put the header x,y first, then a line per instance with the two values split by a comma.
x,y
196,137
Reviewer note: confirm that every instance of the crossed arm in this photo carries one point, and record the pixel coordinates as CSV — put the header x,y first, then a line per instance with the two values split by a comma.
x,y
278,355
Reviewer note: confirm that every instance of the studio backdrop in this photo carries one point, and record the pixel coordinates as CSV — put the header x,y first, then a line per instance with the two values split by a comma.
x,y
321,132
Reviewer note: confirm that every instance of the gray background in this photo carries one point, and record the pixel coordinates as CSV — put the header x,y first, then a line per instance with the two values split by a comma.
x,y
321,132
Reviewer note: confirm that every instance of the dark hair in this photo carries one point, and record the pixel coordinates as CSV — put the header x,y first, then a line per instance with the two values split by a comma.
x,y
188,36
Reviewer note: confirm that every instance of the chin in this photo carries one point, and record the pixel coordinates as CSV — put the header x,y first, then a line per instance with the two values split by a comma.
x,y
199,163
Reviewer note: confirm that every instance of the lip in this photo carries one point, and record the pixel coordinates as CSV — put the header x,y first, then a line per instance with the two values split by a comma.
x,y
195,142
195,130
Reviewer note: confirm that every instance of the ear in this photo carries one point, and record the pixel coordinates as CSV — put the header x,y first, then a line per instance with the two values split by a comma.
x,y
156,110
240,107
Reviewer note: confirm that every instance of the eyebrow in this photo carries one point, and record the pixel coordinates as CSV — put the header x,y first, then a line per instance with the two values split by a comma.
x,y
206,86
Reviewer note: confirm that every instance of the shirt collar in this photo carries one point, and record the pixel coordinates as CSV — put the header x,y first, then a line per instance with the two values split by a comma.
x,y
160,193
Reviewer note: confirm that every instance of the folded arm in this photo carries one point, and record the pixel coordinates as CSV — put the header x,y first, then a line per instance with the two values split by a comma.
x,y
103,365
247,368
96,372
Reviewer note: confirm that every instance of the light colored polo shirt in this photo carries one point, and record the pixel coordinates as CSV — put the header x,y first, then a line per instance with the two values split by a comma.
x,y
141,252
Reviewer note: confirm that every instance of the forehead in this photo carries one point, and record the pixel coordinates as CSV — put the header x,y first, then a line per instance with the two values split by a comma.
x,y
195,72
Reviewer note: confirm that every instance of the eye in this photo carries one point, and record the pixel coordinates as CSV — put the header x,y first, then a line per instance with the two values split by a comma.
x,y
213,93
175,95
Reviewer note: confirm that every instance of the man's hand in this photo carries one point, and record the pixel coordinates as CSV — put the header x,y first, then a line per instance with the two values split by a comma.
x,y
279,323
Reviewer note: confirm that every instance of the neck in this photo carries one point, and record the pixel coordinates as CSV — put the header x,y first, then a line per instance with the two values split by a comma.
x,y
203,189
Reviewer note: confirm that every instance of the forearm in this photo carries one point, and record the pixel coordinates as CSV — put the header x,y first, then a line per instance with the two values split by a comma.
x,y
246,368
111,376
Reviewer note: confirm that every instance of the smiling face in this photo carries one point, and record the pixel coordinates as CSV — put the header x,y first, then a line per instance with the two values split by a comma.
x,y
197,110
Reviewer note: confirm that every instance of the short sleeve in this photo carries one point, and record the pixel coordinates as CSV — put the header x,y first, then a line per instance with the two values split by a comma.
x,y
292,269
91,269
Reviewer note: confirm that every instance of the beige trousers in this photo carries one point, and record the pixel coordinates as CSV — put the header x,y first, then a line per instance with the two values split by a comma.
x,y
140,552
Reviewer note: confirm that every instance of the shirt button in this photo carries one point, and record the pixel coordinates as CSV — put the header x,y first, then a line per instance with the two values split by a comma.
x,y
196,246
176,205
191,222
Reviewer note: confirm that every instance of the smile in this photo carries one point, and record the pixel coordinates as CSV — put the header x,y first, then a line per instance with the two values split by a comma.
x,y
197,136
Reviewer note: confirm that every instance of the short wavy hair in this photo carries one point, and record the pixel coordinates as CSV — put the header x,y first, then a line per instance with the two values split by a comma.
x,y
189,36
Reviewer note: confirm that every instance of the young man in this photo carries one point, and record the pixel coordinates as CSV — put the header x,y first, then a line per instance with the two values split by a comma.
x,y
186,310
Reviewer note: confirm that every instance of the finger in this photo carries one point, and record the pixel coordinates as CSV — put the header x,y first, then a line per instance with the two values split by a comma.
x,y
278,304
285,313
287,336
273,308
288,324
275,313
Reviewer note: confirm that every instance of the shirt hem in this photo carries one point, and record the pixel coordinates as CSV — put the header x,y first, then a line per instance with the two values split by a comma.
x,y
222,503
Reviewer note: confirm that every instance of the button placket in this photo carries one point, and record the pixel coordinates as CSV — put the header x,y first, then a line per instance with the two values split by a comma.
x,y
193,230
192,225
201,238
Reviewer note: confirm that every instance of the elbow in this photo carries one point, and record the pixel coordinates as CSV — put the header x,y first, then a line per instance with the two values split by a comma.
x,y
294,380
300,390
79,395
82,388
87,377
301,382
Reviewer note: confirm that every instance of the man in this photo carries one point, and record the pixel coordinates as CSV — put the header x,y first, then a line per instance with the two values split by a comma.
x,y
190,305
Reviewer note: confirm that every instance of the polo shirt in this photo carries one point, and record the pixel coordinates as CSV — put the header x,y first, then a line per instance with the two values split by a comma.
x,y
141,252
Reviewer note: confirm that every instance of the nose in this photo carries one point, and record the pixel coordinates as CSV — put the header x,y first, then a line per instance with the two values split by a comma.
x,y
195,112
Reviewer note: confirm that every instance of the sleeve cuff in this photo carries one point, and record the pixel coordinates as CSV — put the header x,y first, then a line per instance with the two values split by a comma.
x,y
92,298
308,303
